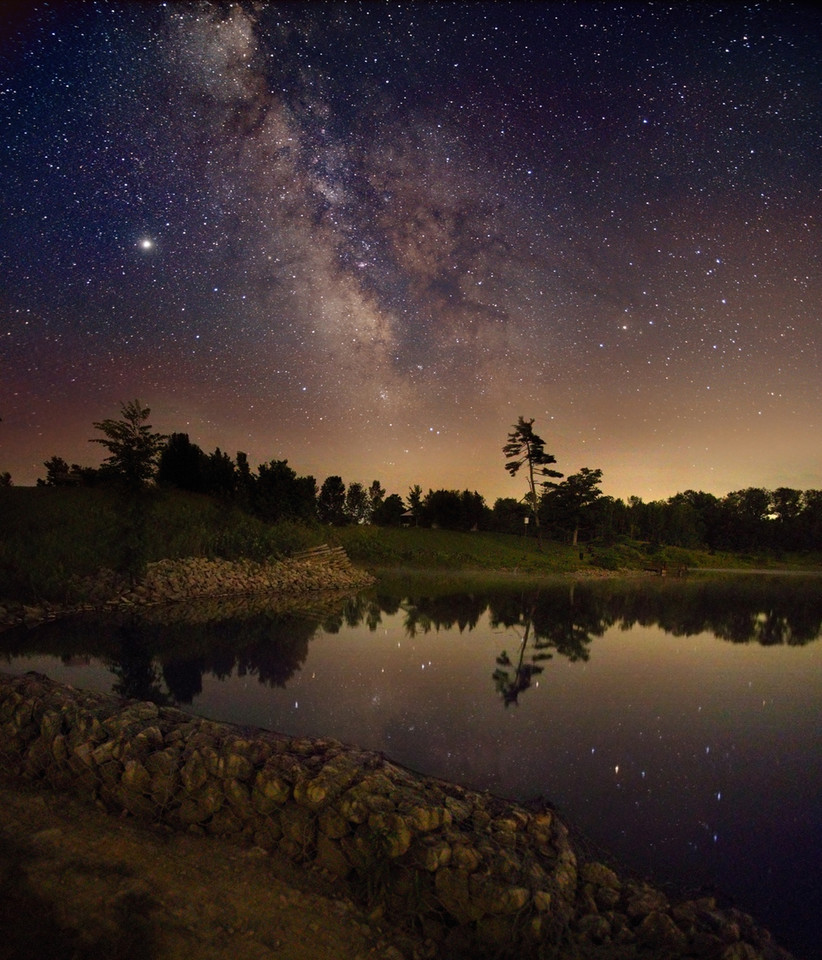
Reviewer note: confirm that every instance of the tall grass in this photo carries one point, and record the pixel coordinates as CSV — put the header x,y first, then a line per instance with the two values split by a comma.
x,y
50,536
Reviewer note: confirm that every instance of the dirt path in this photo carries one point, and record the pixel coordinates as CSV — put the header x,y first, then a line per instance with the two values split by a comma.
x,y
78,884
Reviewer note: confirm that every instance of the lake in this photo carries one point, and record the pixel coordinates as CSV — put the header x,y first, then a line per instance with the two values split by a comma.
x,y
675,724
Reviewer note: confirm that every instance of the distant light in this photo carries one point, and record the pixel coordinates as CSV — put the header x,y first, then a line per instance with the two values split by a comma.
x,y
146,244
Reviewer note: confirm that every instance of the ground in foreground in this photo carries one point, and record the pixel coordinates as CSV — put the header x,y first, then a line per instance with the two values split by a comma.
x,y
78,884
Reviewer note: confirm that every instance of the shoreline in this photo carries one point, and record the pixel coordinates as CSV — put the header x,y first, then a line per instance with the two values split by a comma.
x,y
472,871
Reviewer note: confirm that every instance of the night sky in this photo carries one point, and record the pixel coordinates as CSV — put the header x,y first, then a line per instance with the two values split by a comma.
x,y
366,237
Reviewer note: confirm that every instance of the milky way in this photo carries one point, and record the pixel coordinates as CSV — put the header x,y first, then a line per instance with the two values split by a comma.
x,y
367,237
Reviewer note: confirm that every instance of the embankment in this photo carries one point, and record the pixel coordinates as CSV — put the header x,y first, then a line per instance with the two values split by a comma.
x,y
195,578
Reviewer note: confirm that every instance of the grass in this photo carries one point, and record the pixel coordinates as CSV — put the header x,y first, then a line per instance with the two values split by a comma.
x,y
375,547
50,535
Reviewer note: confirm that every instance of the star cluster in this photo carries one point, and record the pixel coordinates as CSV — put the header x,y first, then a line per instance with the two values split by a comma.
x,y
366,237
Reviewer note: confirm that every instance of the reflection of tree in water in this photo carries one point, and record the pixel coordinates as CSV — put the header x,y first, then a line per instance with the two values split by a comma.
x,y
354,611
753,609
511,683
184,679
554,621
133,664
461,610
563,618
272,648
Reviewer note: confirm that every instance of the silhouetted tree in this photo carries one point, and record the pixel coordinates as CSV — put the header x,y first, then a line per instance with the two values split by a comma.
x,y
220,475
474,510
453,510
526,448
133,449
182,464
415,503
787,510
331,501
811,520
508,515
57,473
390,512
442,508
356,503
245,481
746,513
279,494
60,474
567,503
376,495
132,462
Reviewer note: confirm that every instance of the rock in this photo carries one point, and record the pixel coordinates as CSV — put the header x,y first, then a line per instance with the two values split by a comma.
x,y
269,792
466,857
392,833
331,857
460,810
740,951
452,891
425,819
194,773
595,928
644,899
300,827
599,875
659,932
431,854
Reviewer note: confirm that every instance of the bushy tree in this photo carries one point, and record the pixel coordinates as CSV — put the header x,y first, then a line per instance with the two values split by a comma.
x,y
182,464
356,503
60,474
279,494
221,478
244,490
132,446
452,510
134,450
745,513
57,473
376,496
415,503
331,501
508,515
568,502
390,512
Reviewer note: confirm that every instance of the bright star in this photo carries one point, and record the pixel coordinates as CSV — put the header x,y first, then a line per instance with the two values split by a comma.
x,y
146,243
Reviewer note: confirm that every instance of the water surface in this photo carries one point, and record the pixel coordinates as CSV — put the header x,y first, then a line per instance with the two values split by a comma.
x,y
677,725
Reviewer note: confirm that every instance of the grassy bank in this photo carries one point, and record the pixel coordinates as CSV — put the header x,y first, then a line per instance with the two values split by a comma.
x,y
376,547
50,535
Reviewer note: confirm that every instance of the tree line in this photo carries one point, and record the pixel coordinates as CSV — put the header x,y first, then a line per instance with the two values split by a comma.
x,y
570,509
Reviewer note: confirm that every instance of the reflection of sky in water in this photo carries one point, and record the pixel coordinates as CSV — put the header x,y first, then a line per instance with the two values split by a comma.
x,y
687,757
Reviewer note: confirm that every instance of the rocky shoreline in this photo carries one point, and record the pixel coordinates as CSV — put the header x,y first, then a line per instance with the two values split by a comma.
x,y
476,875
195,578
